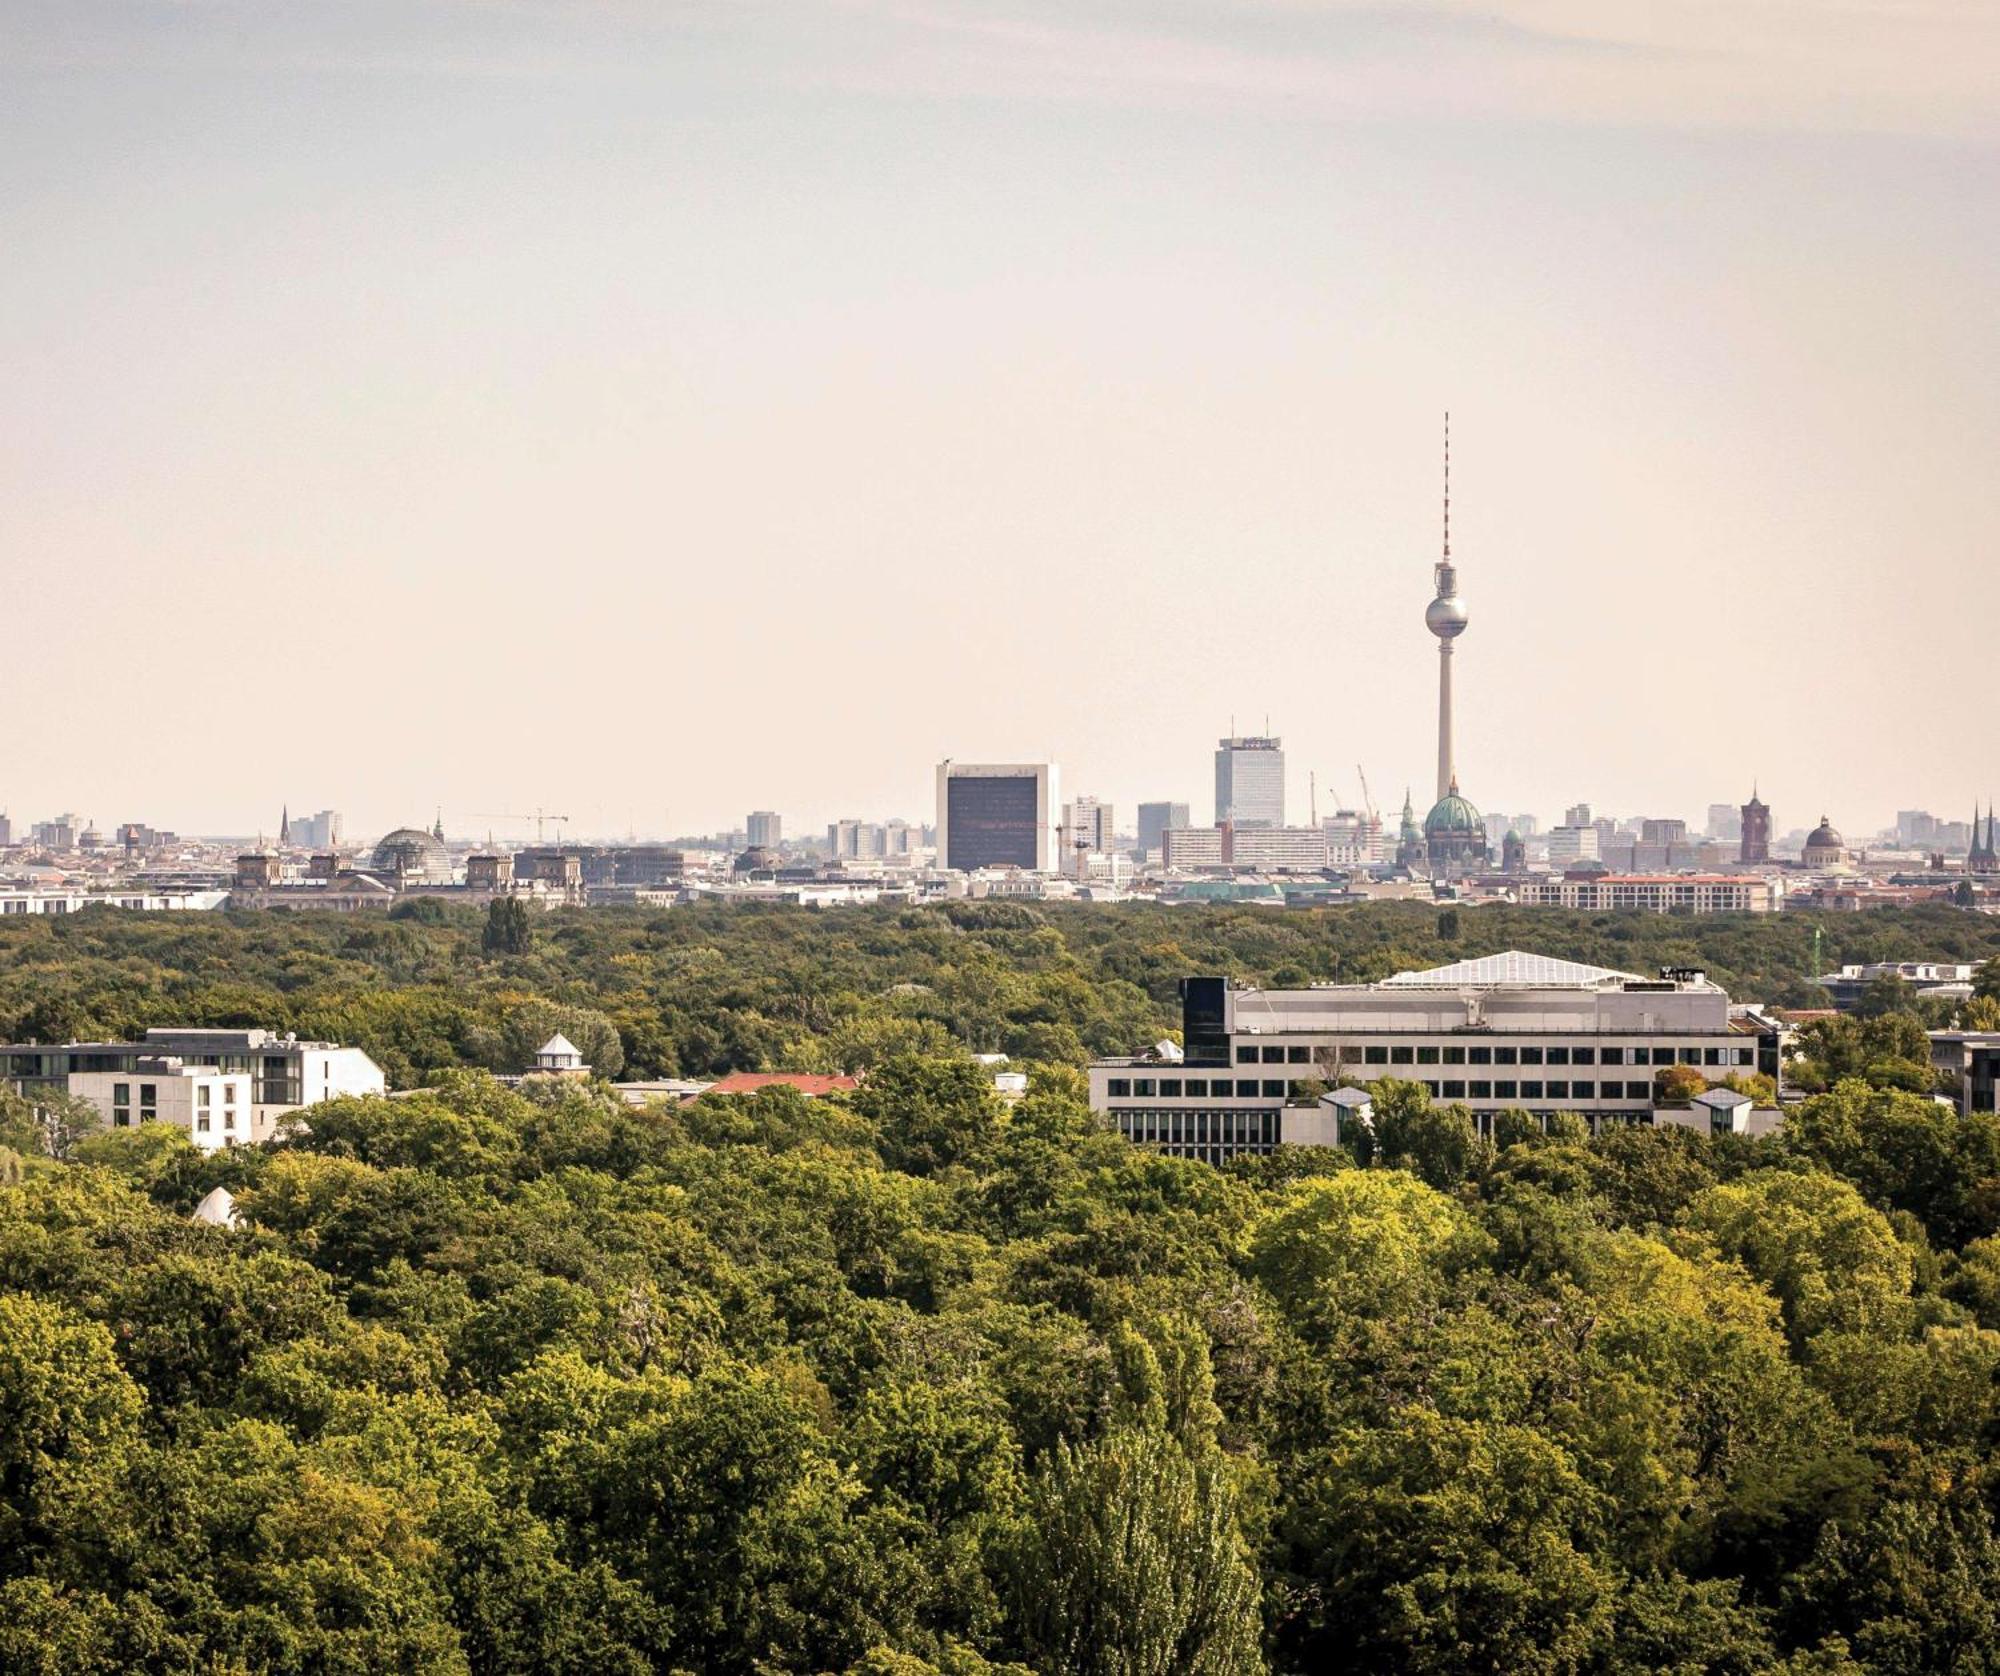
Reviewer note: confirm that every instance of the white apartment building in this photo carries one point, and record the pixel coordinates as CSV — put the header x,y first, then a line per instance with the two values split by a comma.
x,y
1508,1032
1274,849
1653,893
284,1073
214,1107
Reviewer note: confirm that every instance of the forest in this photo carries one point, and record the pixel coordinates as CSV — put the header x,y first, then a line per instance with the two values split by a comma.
x,y
917,1382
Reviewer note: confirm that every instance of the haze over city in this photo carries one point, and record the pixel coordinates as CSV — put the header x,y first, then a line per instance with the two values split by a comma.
x,y
658,414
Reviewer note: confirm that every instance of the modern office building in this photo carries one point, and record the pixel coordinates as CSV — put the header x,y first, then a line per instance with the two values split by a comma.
x,y
764,829
1508,1032
1250,781
997,815
214,1107
1577,814
1156,818
1753,847
315,832
1725,822
1972,1057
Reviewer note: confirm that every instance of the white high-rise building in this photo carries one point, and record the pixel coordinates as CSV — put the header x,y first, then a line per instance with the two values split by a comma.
x,y
764,829
1250,781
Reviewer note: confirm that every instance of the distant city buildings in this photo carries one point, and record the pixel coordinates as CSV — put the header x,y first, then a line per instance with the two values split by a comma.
x,y
764,830
1156,818
1754,832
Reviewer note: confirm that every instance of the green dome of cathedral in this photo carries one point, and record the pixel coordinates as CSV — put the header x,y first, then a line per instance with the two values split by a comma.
x,y
1453,814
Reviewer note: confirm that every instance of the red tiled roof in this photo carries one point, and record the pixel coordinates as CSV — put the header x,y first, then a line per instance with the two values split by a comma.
x,y
748,1082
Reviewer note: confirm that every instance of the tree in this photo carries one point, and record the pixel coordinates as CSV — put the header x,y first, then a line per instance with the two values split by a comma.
x,y
930,1113
1127,1561
1676,1085
507,927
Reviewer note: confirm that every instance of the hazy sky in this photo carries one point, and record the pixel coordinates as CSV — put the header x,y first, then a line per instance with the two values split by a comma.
x,y
655,411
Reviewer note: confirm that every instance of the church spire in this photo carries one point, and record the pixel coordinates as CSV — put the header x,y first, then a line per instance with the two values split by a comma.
x,y
285,825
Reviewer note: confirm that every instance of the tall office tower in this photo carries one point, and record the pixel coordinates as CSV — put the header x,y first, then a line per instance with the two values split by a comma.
x,y
1653,831
1156,818
1087,823
843,839
1250,781
1725,822
765,830
996,814
6,831
1577,814
1754,846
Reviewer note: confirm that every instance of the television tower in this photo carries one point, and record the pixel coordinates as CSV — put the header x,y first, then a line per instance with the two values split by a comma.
x,y
1446,618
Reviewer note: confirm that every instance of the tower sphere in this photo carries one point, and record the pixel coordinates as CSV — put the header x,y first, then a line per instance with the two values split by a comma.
x,y
1446,617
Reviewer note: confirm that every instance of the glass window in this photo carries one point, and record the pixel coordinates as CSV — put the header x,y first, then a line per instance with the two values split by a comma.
x,y
1454,1056
1530,1090
1143,1088
1614,1056
1274,1056
1378,1056
1505,1056
1641,1056
1427,1056
229,1094
1274,1088
1298,1056
1482,1056
1690,1056
1638,1091
1558,1056
122,1119
1583,1091
1558,1091
201,1123
1170,1088
1119,1088
1197,1088
1350,1055
1531,1056
1430,1088
1454,1088
229,1120
1401,1056
1506,1090
1481,1090
121,1093
1246,1088
1246,1056
201,1094
1583,1056
1711,1056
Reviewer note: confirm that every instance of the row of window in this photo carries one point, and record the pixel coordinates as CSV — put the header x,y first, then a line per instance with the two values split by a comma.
x,y
1351,1053
1191,1133
1448,1088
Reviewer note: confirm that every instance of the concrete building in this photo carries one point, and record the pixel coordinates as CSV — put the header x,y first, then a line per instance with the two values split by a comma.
x,y
1156,818
317,832
997,815
213,1106
1353,838
1087,825
764,830
1512,1031
1250,781
1652,893
1972,1058
1940,979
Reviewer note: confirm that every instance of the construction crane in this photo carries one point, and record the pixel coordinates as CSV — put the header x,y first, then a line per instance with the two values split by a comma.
x,y
540,817
1367,798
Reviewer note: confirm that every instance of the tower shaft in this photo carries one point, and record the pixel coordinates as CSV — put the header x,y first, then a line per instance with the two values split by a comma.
x,y
1447,769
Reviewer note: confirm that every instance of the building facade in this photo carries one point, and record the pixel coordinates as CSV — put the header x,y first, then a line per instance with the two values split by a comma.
x,y
1652,893
996,815
1156,818
1753,847
1250,781
764,830
1509,1032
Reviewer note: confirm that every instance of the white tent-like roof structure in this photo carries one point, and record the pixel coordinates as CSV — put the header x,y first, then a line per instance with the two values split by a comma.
x,y
1512,969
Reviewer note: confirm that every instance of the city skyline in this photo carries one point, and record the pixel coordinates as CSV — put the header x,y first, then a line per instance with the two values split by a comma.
x,y
519,383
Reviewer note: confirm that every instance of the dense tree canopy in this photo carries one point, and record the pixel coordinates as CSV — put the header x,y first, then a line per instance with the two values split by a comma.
x,y
916,1383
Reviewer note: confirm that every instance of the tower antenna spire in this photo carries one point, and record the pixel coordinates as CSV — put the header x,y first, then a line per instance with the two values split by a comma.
x,y
1447,485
